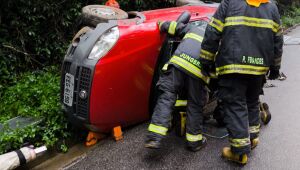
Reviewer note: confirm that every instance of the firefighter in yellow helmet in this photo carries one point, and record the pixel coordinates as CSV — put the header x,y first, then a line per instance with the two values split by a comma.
x,y
243,41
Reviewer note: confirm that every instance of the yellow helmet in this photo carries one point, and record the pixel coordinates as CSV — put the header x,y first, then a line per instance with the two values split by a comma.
x,y
257,3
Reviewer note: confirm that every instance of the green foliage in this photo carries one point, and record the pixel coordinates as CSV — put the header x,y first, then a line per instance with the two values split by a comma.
x,y
34,34
291,16
37,95
285,5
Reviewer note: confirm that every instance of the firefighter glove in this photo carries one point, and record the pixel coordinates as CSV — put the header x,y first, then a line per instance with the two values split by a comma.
x,y
274,73
207,69
163,26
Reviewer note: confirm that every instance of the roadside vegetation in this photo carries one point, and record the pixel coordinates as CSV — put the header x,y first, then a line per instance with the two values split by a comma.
x,y
33,39
290,12
291,17
35,94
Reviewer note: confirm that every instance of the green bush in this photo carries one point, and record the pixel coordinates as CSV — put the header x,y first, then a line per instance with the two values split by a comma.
x,y
35,34
37,95
291,16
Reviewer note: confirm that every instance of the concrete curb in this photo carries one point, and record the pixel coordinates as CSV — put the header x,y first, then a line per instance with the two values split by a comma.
x,y
286,31
55,160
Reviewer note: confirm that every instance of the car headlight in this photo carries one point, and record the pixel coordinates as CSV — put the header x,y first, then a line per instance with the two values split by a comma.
x,y
105,43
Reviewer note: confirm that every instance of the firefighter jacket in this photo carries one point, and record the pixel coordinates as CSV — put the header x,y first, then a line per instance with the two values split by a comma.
x,y
186,56
243,38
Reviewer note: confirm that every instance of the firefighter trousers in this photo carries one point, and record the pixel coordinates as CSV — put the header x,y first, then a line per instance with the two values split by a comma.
x,y
239,95
171,83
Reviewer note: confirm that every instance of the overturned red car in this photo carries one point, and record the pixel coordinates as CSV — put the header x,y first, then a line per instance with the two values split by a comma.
x,y
109,70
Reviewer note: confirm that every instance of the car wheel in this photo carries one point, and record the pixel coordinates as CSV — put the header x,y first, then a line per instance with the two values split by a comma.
x,y
95,14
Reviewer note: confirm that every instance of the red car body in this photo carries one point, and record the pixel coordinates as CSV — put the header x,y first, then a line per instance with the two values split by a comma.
x,y
120,82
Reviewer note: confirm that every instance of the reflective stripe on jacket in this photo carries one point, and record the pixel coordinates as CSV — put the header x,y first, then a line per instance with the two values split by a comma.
x,y
187,55
248,39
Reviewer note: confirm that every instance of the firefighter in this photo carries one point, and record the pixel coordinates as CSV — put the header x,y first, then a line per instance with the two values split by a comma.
x,y
243,41
182,72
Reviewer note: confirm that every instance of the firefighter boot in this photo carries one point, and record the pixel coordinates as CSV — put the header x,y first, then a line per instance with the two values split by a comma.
x,y
254,142
153,141
229,155
152,144
265,113
194,147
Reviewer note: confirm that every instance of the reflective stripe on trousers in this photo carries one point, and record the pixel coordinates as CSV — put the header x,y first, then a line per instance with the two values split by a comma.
x,y
254,129
238,143
193,138
180,103
158,129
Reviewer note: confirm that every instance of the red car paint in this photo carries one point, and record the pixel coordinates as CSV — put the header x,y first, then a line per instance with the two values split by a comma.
x,y
122,78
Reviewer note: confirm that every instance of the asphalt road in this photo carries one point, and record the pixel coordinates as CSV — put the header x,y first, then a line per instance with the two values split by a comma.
x,y
279,147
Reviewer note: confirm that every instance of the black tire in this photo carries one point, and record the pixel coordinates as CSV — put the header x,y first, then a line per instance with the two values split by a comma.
x,y
95,14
